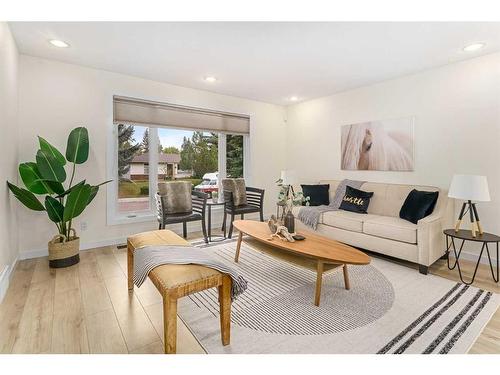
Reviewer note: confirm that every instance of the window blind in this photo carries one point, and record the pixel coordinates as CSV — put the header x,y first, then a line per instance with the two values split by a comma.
x,y
137,111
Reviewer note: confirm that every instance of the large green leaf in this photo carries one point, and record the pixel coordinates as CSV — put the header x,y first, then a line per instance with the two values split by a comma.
x,y
32,179
54,208
49,167
46,146
77,150
95,189
26,197
63,193
93,192
56,187
76,202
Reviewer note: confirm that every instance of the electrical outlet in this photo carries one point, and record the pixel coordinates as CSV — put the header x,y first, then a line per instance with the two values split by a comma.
x,y
83,226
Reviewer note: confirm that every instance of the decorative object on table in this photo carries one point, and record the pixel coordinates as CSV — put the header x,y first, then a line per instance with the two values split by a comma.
x,y
465,235
298,237
469,188
278,230
288,198
210,204
176,203
289,222
273,223
378,145
282,234
418,204
356,200
62,204
254,201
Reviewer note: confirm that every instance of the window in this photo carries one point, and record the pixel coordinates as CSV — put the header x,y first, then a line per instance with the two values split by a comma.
x,y
202,156
131,172
234,155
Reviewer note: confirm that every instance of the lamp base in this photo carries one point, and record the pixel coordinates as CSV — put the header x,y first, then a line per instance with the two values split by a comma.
x,y
474,218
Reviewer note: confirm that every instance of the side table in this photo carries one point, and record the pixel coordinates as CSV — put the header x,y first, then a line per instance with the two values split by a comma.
x,y
466,235
210,204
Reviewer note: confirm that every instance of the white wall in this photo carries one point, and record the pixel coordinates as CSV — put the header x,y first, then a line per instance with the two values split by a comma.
x,y
457,129
8,145
55,97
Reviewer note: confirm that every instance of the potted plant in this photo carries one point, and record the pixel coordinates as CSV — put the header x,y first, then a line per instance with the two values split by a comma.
x,y
287,199
45,177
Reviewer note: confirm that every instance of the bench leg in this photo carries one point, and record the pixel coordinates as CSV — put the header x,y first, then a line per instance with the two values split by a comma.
x,y
130,266
225,309
170,323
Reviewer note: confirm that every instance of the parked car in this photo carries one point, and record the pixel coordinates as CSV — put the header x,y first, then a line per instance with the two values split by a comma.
x,y
209,183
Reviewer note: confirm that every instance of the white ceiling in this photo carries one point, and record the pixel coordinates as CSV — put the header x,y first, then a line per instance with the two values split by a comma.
x,y
263,61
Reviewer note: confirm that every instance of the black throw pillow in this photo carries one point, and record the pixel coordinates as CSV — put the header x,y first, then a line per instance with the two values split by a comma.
x,y
356,200
318,194
418,204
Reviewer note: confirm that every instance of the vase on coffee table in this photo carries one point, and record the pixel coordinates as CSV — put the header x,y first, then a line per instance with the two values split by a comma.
x,y
289,222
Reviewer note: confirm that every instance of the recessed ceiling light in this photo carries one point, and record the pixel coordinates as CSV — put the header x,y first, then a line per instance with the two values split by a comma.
x,y
59,43
293,98
473,47
210,79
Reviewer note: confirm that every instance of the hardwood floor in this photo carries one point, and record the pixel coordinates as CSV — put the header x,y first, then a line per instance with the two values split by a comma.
x,y
86,308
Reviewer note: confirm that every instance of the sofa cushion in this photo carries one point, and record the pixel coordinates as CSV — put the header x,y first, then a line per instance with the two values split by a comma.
x,y
356,200
392,228
346,220
176,196
318,194
238,188
418,204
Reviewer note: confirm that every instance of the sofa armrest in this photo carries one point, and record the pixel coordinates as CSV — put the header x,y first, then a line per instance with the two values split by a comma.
x,y
430,219
430,239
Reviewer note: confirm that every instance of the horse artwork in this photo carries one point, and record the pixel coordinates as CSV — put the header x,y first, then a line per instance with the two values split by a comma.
x,y
378,145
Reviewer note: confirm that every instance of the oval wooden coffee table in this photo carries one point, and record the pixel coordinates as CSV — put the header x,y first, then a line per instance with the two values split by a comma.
x,y
324,253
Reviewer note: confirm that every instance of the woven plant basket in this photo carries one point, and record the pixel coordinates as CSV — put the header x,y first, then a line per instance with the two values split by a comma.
x,y
64,252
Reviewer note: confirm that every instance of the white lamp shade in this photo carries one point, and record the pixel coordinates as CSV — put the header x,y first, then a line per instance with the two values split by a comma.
x,y
469,187
288,177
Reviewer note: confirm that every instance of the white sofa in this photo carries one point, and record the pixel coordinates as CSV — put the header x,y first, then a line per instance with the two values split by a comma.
x,y
382,231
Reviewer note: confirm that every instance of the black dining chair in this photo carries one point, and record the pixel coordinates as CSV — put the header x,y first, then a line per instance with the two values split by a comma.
x,y
197,213
255,203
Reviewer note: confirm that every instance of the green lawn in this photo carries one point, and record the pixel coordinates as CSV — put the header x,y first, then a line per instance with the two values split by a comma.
x,y
135,189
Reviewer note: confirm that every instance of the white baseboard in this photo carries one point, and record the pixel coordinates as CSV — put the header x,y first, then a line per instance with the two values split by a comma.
x,y
472,257
177,228
37,253
5,277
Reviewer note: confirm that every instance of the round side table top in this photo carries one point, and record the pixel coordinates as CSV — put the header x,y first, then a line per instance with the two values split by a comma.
x,y
465,234
211,202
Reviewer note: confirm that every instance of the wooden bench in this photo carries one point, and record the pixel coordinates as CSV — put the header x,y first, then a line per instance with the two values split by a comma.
x,y
176,281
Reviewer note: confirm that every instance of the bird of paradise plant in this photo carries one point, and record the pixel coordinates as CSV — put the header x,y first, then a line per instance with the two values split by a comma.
x,y
46,177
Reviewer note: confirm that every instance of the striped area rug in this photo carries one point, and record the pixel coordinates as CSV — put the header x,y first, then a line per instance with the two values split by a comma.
x,y
389,309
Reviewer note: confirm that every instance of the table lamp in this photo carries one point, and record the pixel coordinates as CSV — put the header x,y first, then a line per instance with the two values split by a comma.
x,y
469,188
288,178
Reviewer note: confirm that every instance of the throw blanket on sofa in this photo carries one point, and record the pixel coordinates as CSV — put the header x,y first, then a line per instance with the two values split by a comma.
x,y
148,257
310,215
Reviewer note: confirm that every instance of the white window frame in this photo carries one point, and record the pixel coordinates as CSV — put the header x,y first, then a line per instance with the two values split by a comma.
x,y
114,217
